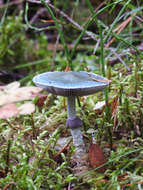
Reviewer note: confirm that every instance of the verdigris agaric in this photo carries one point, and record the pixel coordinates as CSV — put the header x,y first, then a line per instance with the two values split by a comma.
x,y
71,85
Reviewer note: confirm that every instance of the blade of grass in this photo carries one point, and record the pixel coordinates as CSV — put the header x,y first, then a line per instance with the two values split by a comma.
x,y
29,25
112,161
127,43
31,64
60,33
135,10
102,65
4,14
115,21
107,109
30,76
89,22
119,29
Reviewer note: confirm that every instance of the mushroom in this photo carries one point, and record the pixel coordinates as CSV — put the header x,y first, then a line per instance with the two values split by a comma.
x,y
71,85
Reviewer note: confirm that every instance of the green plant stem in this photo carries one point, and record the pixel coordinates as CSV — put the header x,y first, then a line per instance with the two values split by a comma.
x,y
115,21
136,78
101,38
34,132
120,93
29,25
127,43
102,63
107,108
90,6
89,22
4,14
7,156
32,63
113,160
60,32
131,30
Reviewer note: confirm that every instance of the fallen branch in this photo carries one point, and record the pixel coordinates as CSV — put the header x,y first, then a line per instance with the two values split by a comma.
x,y
7,186
120,59
63,149
119,29
11,3
88,33
100,5
115,59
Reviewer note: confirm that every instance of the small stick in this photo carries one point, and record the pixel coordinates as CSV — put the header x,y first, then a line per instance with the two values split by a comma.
x,y
120,59
99,6
88,33
63,149
99,80
11,3
7,186
119,30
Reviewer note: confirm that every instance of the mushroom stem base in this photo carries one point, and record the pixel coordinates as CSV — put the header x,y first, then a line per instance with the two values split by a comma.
x,y
78,141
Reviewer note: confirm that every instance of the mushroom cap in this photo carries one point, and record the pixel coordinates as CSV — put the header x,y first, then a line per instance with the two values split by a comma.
x,y
71,83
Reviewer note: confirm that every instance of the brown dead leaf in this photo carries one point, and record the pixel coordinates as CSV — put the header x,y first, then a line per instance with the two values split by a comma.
x,y
67,69
26,108
12,86
102,181
115,104
7,186
123,177
15,93
41,99
9,110
96,157
119,29
30,89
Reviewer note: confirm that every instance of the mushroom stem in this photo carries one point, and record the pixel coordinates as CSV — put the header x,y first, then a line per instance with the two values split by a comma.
x,y
71,107
75,123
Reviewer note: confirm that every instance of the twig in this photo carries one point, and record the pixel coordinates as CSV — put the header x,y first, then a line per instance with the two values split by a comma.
x,y
60,47
88,33
96,46
120,59
119,29
7,186
55,50
38,13
37,1
100,5
64,148
29,24
99,80
114,60
139,18
4,14
11,3
69,186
